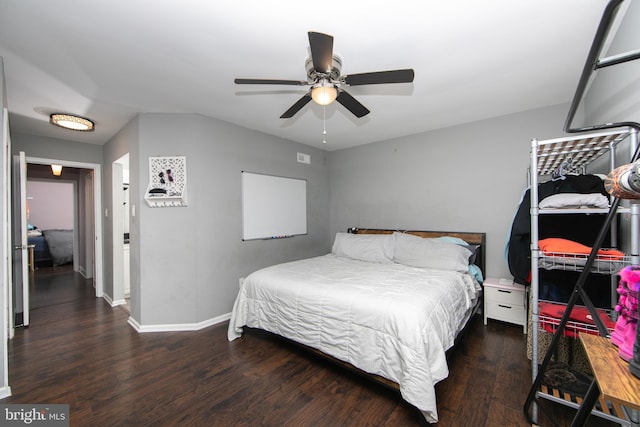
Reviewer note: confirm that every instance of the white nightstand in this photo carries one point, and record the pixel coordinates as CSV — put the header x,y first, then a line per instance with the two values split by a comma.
x,y
505,301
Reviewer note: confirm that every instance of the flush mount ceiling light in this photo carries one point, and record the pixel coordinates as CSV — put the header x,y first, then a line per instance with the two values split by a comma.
x,y
56,170
324,93
69,121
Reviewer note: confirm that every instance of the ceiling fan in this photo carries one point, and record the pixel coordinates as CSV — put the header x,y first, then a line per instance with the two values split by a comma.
x,y
326,83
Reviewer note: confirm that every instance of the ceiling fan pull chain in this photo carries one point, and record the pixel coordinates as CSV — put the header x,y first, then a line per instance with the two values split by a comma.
x,y
324,125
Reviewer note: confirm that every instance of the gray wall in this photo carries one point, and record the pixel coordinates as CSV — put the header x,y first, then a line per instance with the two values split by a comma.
x,y
466,178
610,98
126,141
58,149
50,203
190,258
186,262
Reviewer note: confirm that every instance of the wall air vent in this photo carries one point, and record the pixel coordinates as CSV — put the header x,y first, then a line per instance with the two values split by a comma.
x,y
304,158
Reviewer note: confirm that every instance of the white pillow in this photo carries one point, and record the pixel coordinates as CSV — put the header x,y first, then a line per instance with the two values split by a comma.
x,y
364,247
421,252
34,233
574,200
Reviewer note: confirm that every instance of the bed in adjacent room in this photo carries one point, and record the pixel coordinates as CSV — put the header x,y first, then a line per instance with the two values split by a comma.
x,y
51,247
390,304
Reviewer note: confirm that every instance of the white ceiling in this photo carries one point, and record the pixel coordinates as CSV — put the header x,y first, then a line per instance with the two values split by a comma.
x,y
109,60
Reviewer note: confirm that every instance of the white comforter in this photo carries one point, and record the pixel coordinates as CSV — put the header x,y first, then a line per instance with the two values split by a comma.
x,y
387,319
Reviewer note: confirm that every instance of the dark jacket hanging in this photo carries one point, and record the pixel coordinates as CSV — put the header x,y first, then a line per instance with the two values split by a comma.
x,y
581,228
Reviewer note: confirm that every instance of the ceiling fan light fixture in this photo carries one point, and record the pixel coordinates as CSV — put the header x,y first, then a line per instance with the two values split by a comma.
x,y
324,93
72,122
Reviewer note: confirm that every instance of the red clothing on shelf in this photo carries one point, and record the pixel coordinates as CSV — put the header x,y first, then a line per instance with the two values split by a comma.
x,y
553,245
580,320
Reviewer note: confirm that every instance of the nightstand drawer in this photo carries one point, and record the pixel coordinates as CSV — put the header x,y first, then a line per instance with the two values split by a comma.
x,y
505,301
507,313
506,296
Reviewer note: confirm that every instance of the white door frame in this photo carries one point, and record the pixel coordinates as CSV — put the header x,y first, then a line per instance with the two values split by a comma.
x,y
97,212
117,228
6,325
19,230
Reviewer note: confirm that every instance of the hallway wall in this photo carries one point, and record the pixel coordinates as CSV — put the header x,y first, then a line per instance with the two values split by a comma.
x,y
50,204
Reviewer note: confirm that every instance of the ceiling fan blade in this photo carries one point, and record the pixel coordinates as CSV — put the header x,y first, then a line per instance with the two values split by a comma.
x,y
296,107
270,82
379,77
321,51
352,104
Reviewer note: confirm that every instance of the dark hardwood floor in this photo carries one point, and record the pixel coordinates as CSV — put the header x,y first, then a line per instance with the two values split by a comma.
x,y
80,351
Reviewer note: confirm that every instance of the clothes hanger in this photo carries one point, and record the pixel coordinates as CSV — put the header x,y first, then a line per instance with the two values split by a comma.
x,y
562,171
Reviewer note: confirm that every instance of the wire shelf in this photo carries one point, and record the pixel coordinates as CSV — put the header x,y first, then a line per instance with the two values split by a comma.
x,y
581,149
573,327
604,264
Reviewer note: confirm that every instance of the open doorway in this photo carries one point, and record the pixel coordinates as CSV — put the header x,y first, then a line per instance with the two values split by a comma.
x,y
85,226
60,238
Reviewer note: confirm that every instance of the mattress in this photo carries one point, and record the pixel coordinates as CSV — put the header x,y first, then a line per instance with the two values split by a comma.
x,y
40,248
386,319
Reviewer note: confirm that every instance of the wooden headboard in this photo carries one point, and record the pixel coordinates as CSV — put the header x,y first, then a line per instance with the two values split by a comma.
x,y
472,238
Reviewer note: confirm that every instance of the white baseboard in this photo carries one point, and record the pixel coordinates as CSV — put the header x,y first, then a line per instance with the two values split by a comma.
x,y
84,273
176,327
5,392
113,303
134,323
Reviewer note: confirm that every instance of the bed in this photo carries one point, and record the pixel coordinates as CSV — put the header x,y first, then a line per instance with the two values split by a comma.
x,y
388,304
51,247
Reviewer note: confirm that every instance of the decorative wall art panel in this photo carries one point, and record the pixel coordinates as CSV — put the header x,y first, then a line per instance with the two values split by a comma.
x,y
167,182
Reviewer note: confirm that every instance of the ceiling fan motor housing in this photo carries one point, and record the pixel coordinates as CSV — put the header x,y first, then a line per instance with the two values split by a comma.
x,y
333,75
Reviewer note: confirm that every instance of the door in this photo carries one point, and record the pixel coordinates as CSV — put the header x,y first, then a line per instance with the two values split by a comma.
x,y
20,307
7,248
